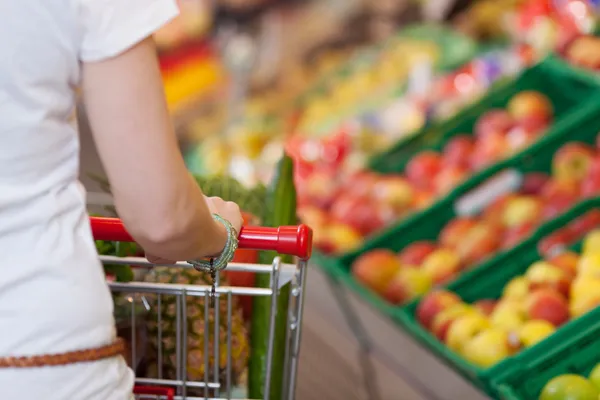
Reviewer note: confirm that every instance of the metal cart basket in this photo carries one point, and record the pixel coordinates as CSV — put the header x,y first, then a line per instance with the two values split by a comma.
x,y
291,240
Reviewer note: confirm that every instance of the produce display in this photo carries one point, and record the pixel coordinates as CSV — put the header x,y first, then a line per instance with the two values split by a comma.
x,y
342,213
466,241
550,293
575,387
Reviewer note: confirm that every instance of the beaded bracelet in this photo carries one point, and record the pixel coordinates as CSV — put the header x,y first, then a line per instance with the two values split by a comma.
x,y
219,263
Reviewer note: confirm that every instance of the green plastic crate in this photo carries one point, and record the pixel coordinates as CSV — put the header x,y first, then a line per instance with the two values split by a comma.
x,y
578,354
565,89
580,72
486,282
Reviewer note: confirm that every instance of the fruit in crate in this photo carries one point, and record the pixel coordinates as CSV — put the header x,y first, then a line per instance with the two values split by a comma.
x,y
465,328
584,51
376,269
368,202
435,303
531,307
530,104
407,284
534,331
415,253
441,265
573,161
509,219
569,387
547,305
488,347
197,332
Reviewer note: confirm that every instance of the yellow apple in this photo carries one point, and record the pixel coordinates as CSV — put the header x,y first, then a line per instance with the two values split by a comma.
x,y
487,348
535,331
464,329
516,289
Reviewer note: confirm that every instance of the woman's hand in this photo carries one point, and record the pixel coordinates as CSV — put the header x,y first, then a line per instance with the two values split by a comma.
x,y
227,210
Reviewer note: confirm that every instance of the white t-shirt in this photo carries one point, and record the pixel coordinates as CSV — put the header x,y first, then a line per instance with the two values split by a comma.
x,y
53,297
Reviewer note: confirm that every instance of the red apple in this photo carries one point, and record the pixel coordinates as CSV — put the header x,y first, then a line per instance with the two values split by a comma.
x,y
534,183
422,168
454,231
434,303
394,191
376,269
530,103
458,150
359,213
423,199
320,190
547,305
479,243
416,252
361,183
566,261
448,179
590,186
495,210
559,196
495,121
534,124
572,161
519,138
542,274
488,150
516,235
486,306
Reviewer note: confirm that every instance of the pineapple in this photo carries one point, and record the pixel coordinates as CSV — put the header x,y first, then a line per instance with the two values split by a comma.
x,y
196,331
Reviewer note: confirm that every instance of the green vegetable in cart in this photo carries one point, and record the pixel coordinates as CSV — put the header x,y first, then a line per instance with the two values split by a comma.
x,y
280,211
569,387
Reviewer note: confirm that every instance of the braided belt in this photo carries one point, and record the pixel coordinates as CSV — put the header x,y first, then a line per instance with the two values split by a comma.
x,y
51,360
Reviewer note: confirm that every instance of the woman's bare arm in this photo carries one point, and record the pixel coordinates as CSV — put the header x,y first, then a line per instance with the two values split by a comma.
x,y
158,200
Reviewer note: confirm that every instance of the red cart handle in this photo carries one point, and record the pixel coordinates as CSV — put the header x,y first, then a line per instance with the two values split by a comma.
x,y
292,240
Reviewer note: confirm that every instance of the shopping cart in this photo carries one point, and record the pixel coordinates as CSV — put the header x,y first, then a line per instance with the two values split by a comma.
x,y
290,240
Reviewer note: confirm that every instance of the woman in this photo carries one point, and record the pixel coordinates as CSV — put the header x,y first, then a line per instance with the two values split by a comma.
x,y
53,296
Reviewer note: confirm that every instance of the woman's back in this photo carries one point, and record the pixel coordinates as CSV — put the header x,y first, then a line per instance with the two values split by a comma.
x,y
46,245
53,297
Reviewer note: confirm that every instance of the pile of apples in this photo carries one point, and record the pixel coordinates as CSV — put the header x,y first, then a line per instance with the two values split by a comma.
x,y
342,213
572,386
467,241
550,293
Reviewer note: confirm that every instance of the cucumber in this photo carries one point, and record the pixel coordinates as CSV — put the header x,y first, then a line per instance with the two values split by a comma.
x,y
280,210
